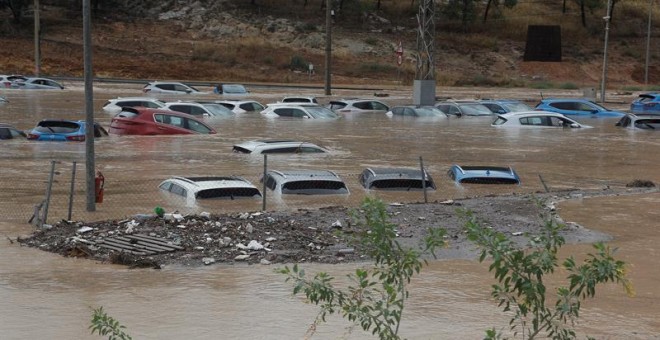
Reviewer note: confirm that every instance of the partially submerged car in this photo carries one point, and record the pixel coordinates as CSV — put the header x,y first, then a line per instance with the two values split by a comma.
x,y
230,89
644,122
300,99
212,187
355,105
298,110
59,130
165,87
483,174
305,182
36,84
647,103
276,146
200,109
415,111
400,179
144,121
7,79
500,106
535,119
9,132
114,106
242,106
573,106
464,108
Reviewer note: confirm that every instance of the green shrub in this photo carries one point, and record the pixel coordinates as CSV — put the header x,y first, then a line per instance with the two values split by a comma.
x,y
568,86
298,63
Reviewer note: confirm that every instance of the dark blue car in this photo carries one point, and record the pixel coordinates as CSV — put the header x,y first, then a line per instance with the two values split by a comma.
x,y
581,107
63,130
647,103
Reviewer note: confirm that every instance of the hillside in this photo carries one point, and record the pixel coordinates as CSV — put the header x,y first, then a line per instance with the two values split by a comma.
x,y
233,40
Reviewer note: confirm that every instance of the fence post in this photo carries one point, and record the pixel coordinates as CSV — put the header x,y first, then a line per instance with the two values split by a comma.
x,y
543,182
421,165
49,189
73,181
263,193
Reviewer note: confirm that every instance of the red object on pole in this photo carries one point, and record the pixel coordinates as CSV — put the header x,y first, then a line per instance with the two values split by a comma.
x,y
99,181
399,49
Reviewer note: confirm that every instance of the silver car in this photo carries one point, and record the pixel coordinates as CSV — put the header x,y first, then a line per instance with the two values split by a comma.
x,y
36,84
170,88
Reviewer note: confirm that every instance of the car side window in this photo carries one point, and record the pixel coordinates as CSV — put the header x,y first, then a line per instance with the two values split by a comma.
x,y
197,126
284,112
297,113
378,106
175,120
363,105
180,108
337,105
563,105
408,112
453,110
247,107
197,111
178,190
584,107
166,186
167,87
270,182
398,111
181,88
5,133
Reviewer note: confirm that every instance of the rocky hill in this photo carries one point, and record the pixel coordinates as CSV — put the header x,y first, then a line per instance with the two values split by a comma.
x,y
275,41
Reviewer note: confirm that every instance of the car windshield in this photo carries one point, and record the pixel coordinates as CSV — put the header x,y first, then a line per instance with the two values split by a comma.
x,y
475,109
321,112
57,127
517,107
228,193
218,110
314,187
233,89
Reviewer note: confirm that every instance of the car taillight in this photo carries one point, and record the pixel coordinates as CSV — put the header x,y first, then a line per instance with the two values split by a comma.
x,y
76,138
32,136
146,90
7,84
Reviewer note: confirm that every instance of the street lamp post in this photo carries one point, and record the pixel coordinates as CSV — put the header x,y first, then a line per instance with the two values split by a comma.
x,y
607,33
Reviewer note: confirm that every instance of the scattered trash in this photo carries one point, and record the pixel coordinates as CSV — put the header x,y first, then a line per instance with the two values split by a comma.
x,y
242,257
396,204
249,228
516,233
181,226
336,224
205,214
264,262
208,260
254,245
447,202
81,230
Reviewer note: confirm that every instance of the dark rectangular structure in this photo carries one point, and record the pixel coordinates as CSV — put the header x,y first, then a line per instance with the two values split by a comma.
x,y
543,43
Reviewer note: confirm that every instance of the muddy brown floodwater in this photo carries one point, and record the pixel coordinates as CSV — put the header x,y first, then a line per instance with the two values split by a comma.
x,y
44,295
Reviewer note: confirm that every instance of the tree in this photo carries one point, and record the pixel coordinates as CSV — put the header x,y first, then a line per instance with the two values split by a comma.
x,y
585,5
520,274
496,4
375,300
16,7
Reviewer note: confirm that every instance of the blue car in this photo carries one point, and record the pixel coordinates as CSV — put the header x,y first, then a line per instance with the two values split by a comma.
x,y
647,103
581,107
483,174
502,106
63,130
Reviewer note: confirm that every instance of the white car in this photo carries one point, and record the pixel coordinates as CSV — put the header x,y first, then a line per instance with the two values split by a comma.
x,y
7,79
36,84
242,106
535,119
191,189
305,182
640,121
200,109
357,105
298,110
114,105
273,146
162,87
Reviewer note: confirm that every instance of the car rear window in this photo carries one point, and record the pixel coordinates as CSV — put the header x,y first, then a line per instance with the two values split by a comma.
x,y
489,180
400,184
228,193
127,114
57,127
314,188
239,149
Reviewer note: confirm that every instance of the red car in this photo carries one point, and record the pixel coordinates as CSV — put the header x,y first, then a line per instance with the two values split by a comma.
x,y
145,121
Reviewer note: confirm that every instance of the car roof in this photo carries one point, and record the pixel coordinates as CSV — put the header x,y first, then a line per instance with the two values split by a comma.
x,y
549,100
208,182
531,113
296,175
484,174
134,98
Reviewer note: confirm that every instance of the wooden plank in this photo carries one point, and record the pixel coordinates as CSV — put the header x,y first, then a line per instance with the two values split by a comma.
x,y
128,246
156,240
120,249
147,245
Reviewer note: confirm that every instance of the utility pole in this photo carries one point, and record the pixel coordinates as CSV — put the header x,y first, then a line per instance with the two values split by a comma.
x,y
328,45
648,46
607,33
424,84
37,39
89,106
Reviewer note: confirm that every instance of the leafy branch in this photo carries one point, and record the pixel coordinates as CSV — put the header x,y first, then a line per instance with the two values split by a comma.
x,y
103,324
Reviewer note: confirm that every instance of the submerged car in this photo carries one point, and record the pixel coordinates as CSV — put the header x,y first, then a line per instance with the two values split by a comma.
x,y
163,87
583,107
300,99
647,103
483,175
144,121
305,182
463,108
211,187
242,106
500,106
357,106
536,119
200,109
114,105
7,79
415,111
230,89
401,179
644,122
63,131
275,146
9,132
36,84
298,110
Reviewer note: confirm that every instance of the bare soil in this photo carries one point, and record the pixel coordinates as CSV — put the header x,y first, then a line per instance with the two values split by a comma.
x,y
322,235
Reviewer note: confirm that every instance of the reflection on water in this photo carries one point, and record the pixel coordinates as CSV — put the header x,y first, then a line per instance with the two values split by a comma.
x,y
45,296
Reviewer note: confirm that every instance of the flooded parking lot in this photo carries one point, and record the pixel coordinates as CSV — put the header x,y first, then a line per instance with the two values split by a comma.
x,y
41,292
